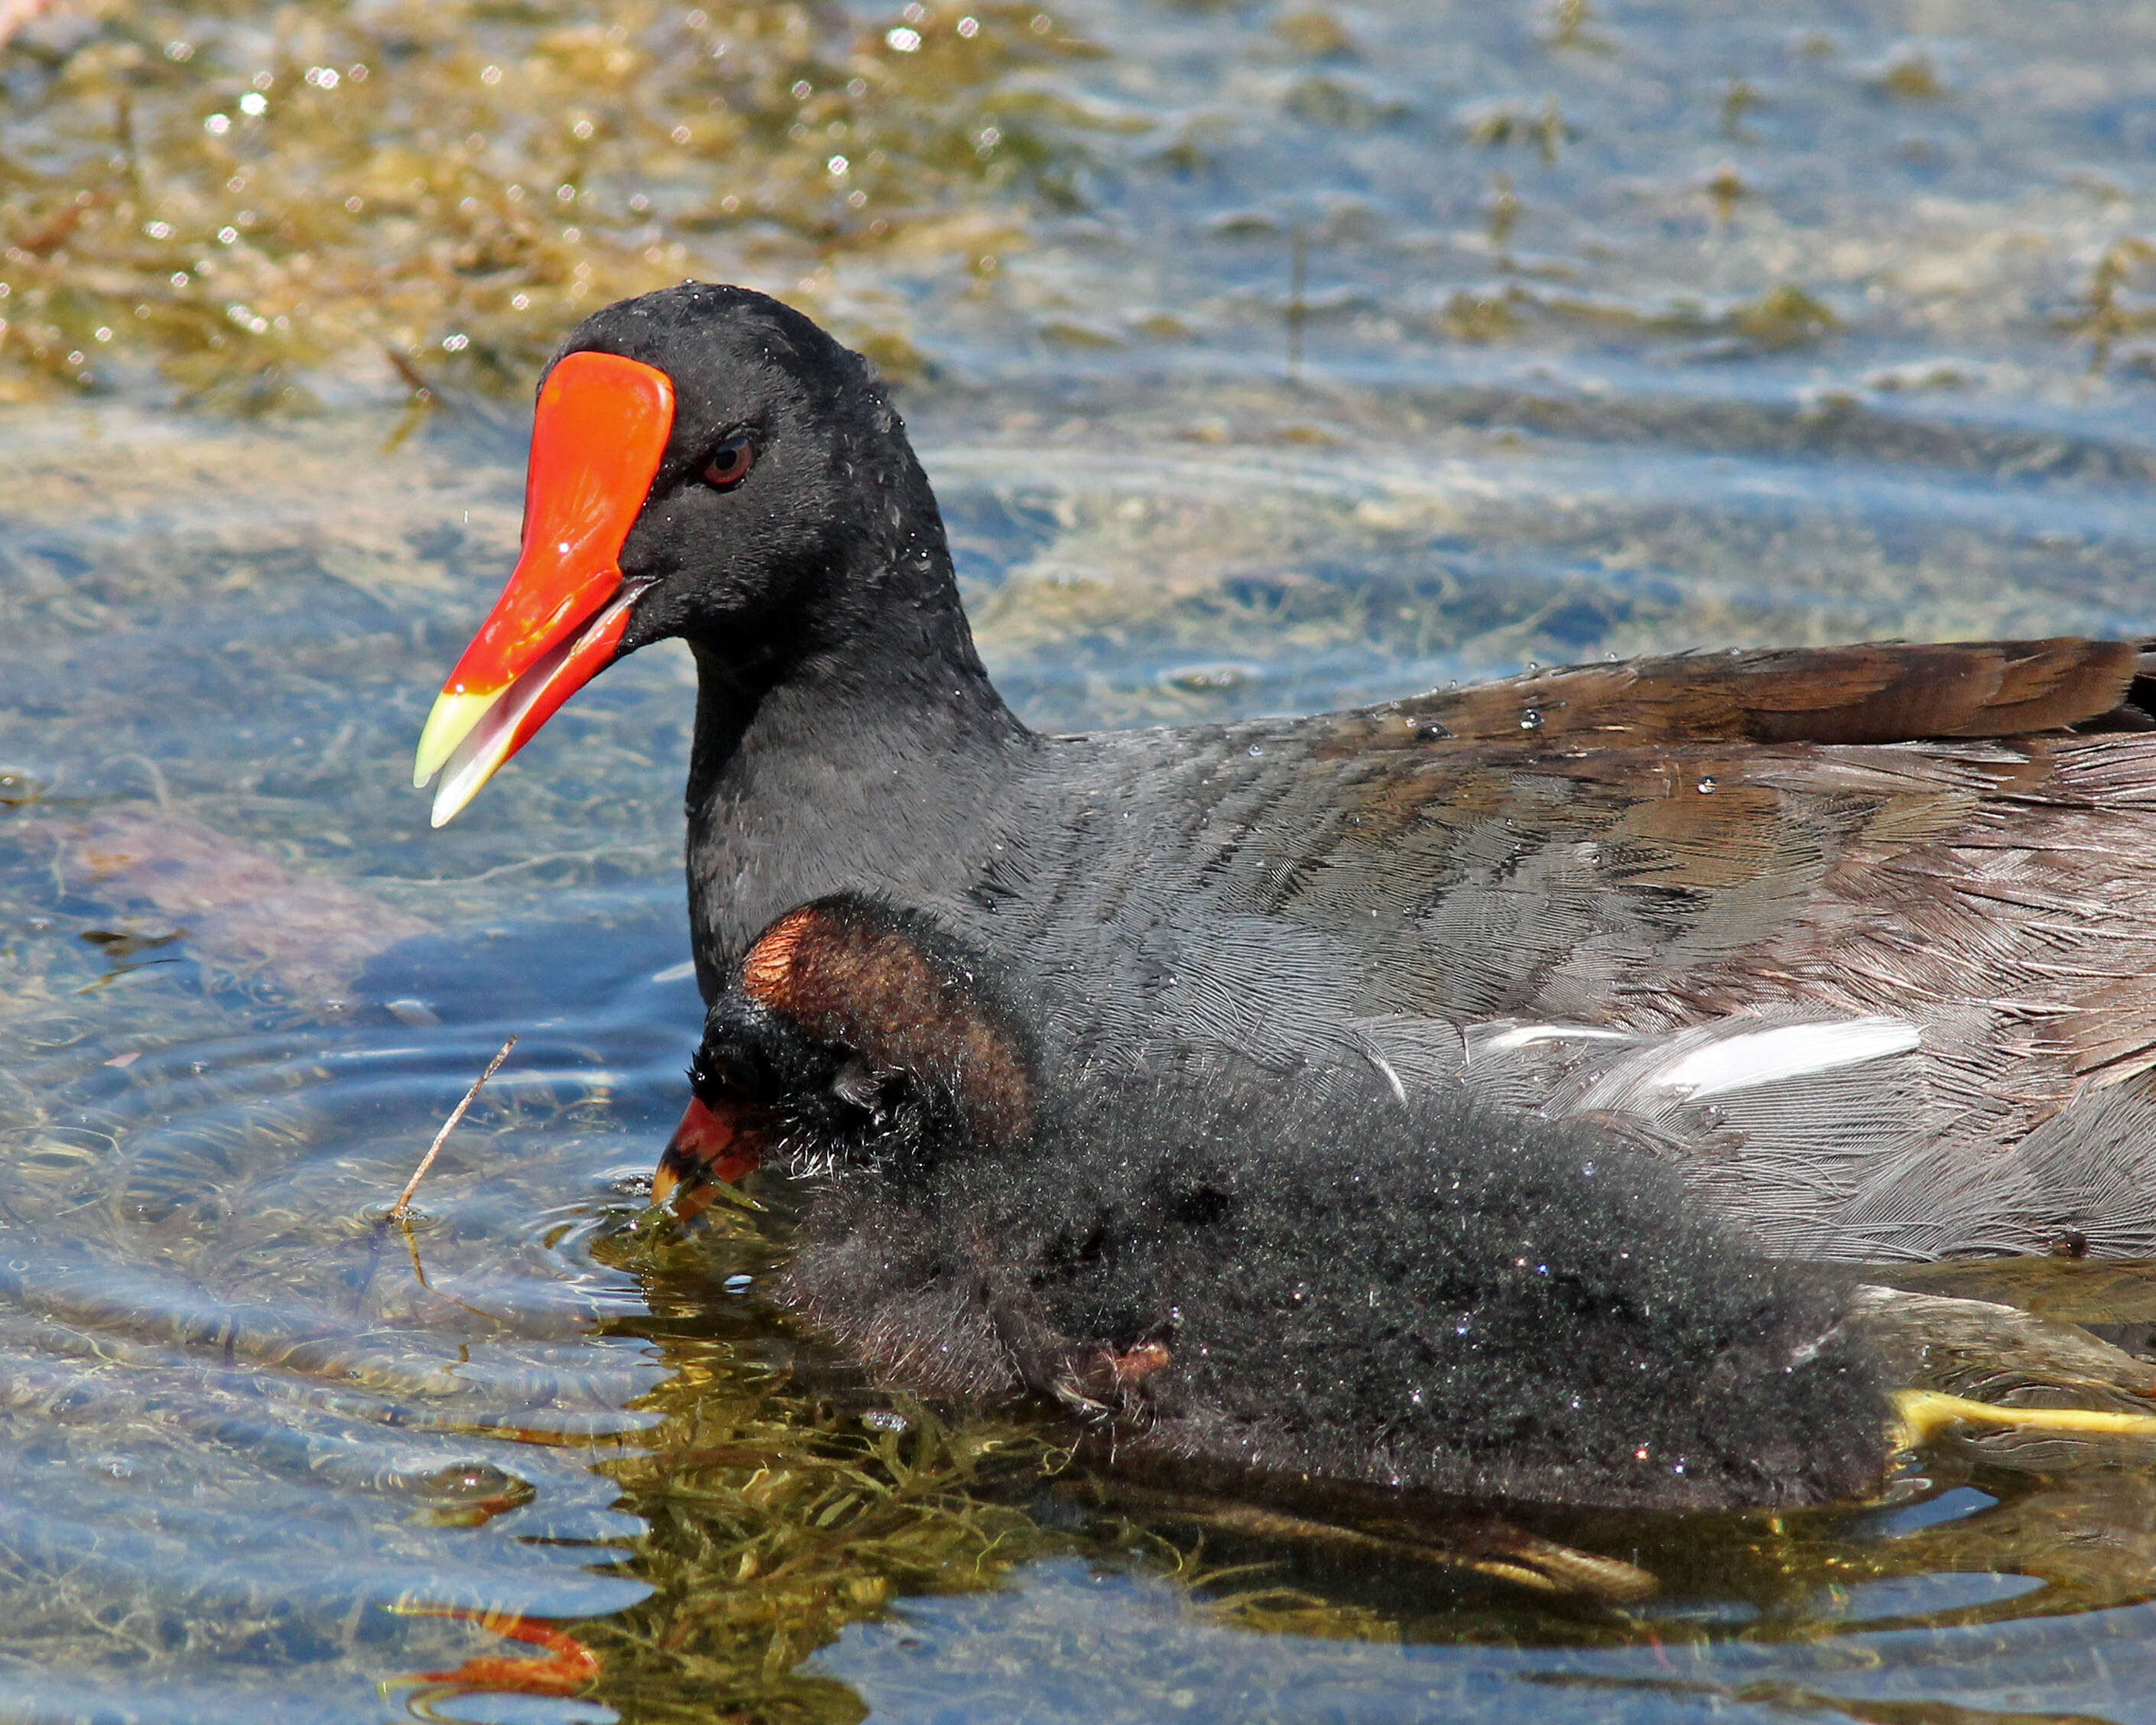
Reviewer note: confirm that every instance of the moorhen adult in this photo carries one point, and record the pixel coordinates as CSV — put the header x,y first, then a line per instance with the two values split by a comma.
x,y
1300,1277
1856,922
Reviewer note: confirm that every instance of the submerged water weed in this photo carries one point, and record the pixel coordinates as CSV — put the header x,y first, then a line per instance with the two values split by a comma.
x,y
778,1510
257,195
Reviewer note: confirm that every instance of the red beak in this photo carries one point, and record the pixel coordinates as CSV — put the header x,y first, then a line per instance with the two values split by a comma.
x,y
596,444
721,1143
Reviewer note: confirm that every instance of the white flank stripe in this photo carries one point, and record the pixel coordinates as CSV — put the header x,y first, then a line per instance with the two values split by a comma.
x,y
1527,1035
1786,1051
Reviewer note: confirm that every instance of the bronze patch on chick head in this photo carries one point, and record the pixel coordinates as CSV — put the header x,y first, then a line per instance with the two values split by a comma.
x,y
870,979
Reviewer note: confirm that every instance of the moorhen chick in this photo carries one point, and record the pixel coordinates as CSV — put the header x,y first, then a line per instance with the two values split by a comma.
x,y
1901,899
1298,1276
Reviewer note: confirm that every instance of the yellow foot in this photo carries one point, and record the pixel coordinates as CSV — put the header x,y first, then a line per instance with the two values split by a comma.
x,y
1921,1414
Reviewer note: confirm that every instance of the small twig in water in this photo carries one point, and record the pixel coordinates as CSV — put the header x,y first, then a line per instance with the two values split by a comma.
x,y
1298,280
417,381
397,1210
412,1245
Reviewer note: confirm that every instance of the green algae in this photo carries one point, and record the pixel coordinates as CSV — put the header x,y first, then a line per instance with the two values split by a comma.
x,y
2112,309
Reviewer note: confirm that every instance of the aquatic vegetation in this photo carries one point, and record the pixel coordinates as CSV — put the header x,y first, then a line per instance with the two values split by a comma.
x,y
258,197
1494,125
782,1500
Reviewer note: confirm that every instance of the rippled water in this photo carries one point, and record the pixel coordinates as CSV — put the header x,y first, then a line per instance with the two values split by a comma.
x,y
1383,345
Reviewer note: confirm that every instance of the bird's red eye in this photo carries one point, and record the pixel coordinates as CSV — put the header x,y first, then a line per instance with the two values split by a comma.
x,y
730,464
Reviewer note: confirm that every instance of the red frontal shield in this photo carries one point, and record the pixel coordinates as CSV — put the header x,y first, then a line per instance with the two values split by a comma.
x,y
597,442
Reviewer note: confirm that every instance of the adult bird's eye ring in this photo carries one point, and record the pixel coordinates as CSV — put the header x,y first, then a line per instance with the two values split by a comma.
x,y
730,464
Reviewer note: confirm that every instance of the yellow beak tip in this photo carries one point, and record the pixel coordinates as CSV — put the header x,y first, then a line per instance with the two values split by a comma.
x,y
448,724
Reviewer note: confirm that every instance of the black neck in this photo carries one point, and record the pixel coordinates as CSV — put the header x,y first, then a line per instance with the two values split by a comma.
x,y
889,665
860,753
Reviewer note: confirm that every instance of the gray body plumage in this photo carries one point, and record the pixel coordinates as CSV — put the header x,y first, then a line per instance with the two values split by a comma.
x,y
1558,927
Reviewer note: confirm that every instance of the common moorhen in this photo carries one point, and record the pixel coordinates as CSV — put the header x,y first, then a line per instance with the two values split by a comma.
x,y
1850,922
1292,1275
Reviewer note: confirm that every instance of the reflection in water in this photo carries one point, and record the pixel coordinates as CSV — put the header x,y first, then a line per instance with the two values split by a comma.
x,y
1620,329
565,1666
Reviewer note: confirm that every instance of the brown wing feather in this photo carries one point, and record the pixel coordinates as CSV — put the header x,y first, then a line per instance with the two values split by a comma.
x,y
1959,838
1882,693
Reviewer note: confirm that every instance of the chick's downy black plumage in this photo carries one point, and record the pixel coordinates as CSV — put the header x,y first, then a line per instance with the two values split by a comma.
x,y
1294,1272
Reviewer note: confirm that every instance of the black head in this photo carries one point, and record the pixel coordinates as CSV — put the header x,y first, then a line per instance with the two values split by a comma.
x,y
864,1036
707,463
785,479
